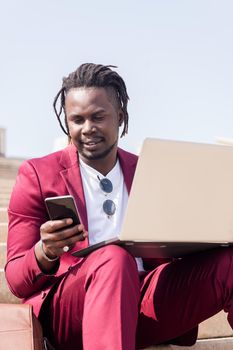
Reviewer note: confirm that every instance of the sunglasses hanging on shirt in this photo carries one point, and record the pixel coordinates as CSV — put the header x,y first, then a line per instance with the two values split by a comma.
x,y
109,206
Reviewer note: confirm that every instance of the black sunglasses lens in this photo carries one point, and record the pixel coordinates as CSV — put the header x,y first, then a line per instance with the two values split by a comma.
x,y
109,207
106,185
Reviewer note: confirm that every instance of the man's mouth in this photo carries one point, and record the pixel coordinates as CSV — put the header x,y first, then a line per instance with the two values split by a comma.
x,y
90,144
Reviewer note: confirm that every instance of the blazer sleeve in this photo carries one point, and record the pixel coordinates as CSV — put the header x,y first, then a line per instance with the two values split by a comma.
x,y
26,214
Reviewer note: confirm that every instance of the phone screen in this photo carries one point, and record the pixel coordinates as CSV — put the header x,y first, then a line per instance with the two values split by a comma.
x,y
62,207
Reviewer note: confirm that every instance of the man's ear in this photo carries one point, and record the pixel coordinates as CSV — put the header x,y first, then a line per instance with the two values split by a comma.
x,y
121,117
67,127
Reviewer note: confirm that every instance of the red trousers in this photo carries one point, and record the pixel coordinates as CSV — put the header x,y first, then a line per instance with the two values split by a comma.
x,y
102,304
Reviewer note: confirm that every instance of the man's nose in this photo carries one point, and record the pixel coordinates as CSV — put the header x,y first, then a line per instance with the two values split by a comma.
x,y
88,127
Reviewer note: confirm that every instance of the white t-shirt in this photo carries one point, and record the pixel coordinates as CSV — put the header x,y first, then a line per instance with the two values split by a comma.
x,y
100,225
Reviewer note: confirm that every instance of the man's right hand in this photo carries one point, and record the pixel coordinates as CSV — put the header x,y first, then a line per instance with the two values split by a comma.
x,y
55,235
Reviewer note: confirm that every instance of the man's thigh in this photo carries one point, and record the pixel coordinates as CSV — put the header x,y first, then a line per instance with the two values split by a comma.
x,y
181,294
91,294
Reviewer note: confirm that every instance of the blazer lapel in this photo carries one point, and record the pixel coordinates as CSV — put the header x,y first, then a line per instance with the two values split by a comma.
x,y
128,164
72,178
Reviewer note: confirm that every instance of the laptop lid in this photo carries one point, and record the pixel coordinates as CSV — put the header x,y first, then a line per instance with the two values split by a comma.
x,y
182,192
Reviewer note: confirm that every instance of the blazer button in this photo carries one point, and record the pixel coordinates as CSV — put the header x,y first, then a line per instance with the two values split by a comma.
x,y
43,295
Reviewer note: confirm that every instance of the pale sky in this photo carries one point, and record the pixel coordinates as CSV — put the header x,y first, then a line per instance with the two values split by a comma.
x,y
175,56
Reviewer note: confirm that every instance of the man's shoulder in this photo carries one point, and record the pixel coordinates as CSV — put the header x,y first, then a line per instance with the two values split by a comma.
x,y
127,155
47,159
51,160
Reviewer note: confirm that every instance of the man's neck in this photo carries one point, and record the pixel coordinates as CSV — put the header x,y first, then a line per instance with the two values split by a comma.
x,y
103,166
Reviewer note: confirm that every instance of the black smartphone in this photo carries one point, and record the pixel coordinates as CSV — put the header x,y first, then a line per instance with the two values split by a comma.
x,y
62,207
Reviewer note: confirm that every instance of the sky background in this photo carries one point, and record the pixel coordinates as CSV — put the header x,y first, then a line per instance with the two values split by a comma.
x,y
175,56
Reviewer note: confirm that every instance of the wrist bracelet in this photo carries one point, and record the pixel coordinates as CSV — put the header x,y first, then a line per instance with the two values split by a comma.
x,y
44,254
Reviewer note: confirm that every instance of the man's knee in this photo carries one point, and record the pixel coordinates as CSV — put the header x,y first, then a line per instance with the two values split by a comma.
x,y
111,259
114,255
224,265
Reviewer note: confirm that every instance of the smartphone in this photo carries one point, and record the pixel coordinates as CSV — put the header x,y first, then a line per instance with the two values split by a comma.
x,y
62,207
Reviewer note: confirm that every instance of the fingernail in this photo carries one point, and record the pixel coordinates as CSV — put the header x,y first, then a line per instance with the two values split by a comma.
x,y
69,221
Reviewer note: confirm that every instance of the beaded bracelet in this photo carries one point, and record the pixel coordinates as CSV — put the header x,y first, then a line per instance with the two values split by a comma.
x,y
44,254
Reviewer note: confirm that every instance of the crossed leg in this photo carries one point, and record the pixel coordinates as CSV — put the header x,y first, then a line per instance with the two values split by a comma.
x,y
179,295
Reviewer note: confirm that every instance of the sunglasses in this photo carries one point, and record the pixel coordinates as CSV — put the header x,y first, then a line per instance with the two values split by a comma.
x,y
109,206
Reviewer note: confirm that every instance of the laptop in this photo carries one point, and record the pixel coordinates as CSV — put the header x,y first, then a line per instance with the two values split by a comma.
x,y
181,200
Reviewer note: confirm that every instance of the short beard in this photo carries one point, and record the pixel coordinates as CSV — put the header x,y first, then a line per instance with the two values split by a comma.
x,y
92,156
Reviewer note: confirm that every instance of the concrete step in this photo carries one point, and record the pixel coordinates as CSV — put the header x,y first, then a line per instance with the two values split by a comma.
x,y
6,187
203,344
3,232
215,327
6,190
4,199
5,294
3,214
6,181
2,255
4,202
9,167
5,195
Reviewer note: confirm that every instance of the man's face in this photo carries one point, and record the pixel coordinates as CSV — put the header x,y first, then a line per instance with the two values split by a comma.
x,y
93,119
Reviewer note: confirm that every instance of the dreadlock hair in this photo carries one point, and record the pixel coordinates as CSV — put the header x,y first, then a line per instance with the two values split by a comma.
x,y
92,75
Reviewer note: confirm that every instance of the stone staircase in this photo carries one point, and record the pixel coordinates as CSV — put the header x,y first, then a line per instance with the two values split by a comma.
x,y
214,334
8,171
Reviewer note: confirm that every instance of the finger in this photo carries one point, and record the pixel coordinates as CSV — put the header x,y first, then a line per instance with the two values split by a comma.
x,y
71,241
82,236
69,232
55,225
68,244
81,228
55,241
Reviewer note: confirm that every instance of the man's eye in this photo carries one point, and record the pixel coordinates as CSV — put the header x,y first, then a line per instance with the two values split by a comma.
x,y
99,117
78,120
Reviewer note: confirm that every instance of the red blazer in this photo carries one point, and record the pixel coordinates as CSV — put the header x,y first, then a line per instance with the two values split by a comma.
x,y
53,175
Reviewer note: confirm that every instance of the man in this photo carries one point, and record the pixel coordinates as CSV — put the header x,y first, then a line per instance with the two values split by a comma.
x,y
108,300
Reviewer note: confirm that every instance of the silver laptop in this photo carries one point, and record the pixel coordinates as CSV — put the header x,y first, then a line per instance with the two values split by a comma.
x,y
181,200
